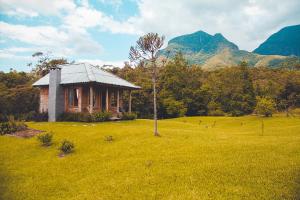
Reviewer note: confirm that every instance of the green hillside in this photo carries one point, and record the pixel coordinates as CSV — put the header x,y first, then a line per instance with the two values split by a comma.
x,y
215,51
285,42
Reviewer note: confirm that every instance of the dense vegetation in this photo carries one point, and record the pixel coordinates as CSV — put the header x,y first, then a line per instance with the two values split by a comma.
x,y
17,96
183,89
196,157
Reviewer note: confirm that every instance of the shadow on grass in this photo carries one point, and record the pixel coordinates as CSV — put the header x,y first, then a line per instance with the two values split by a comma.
x,y
3,183
297,186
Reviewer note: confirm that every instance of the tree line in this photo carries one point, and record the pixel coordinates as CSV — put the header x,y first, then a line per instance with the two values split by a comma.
x,y
182,89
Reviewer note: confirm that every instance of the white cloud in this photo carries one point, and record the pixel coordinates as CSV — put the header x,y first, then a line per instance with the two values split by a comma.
x,y
247,23
4,55
33,8
87,17
102,62
61,42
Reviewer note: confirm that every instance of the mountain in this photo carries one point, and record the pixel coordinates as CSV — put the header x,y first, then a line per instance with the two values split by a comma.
x,y
201,42
215,51
285,42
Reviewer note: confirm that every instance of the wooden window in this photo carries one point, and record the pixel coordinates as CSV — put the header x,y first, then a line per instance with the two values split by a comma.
x,y
73,97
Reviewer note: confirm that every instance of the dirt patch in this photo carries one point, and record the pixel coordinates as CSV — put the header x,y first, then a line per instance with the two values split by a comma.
x,y
27,133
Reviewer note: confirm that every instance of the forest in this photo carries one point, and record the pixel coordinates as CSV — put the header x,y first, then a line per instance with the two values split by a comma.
x,y
183,89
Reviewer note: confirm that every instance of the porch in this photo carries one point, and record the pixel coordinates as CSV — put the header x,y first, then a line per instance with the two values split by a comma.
x,y
96,98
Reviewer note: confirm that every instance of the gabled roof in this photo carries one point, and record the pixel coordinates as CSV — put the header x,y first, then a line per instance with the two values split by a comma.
x,y
86,73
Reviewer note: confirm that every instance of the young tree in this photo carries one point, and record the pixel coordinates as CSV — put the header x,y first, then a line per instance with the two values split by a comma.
x,y
265,106
45,63
146,51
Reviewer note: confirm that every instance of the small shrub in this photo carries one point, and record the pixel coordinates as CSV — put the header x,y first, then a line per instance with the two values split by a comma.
x,y
174,108
30,116
101,116
67,146
214,109
85,117
109,138
45,139
38,117
128,116
11,126
217,112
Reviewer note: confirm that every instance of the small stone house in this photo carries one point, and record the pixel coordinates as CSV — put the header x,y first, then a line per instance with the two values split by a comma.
x,y
82,88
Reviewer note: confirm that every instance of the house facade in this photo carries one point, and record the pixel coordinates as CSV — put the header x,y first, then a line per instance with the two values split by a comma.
x,y
82,88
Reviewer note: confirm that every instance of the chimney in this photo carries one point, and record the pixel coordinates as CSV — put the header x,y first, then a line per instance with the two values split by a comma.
x,y
56,95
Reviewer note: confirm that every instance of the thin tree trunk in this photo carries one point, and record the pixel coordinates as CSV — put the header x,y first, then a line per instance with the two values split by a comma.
x,y
154,97
154,107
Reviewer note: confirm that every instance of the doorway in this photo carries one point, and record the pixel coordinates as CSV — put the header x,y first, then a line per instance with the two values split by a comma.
x,y
103,101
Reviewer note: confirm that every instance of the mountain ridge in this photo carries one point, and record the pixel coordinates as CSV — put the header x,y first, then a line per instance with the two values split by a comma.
x,y
215,51
285,42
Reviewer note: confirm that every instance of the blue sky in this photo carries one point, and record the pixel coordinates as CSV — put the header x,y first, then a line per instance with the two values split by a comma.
x,y
102,31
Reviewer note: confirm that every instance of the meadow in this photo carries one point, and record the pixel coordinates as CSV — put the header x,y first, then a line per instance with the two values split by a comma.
x,y
195,158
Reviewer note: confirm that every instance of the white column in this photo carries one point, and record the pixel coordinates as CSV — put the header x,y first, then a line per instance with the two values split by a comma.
x,y
118,101
129,109
91,99
107,98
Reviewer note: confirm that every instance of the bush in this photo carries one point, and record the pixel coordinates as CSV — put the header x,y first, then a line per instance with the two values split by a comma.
x,y
37,117
101,116
31,116
74,117
265,106
216,113
11,127
214,109
128,116
67,146
45,139
109,138
174,108
85,117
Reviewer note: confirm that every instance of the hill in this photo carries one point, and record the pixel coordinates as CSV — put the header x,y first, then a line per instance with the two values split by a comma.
x,y
285,42
215,51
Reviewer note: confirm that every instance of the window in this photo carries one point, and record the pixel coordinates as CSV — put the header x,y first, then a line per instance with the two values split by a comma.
x,y
73,97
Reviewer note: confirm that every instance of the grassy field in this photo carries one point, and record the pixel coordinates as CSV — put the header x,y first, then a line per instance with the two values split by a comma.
x,y
196,158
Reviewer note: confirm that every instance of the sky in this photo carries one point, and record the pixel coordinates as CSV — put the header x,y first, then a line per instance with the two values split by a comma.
x,y
102,31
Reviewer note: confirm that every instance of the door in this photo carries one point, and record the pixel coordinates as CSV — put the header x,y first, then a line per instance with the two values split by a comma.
x,y
103,101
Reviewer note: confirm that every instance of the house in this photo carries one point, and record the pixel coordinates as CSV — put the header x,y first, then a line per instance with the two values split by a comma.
x,y
82,88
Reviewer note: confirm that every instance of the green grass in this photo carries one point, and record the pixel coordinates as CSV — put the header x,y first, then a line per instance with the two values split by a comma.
x,y
192,160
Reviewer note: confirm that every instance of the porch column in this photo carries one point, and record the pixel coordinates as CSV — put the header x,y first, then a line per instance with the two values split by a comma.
x,y
107,99
79,99
91,99
129,107
118,101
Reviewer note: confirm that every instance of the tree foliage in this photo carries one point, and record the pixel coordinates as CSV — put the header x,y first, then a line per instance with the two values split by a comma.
x,y
265,106
17,96
182,89
45,63
227,91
